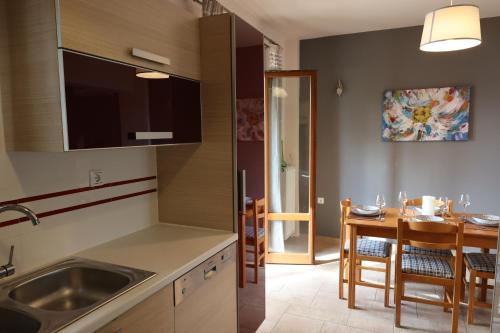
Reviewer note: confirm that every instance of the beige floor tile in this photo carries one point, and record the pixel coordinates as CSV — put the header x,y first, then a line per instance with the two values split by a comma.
x,y
334,315
370,321
334,328
266,326
292,296
304,298
331,288
296,324
478,328
275,309
435,320
360,330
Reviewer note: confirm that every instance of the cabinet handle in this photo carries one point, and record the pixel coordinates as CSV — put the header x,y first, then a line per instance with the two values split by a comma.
x,y
152,135
150,56
209,273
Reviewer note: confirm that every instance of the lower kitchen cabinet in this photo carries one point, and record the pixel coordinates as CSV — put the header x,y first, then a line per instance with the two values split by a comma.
x,y
153,315
206,297
204,300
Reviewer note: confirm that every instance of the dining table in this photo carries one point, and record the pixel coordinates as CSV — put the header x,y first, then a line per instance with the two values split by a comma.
x,y
476,236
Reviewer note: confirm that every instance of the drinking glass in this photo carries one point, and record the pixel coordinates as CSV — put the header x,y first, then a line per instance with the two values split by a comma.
x,y
444,208
402,198
380,202
465,202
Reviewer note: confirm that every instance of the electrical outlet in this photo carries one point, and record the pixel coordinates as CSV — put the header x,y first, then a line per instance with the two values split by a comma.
x,y
321,201
96,177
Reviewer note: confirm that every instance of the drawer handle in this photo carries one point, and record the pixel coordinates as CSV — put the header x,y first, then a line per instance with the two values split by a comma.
x,y
210,273
152,135
150,56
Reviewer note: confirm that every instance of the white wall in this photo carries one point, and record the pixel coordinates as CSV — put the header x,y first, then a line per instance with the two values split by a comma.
x,y
27,174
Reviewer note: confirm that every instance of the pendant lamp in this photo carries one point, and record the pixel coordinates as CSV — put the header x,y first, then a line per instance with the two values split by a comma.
x,y
451,28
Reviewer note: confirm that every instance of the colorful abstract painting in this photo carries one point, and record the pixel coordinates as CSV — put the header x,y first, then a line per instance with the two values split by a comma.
x,y
434,114
250,119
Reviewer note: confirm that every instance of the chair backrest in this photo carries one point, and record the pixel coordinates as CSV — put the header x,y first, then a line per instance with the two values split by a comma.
x,y
259,213
418,202
431,235
345,209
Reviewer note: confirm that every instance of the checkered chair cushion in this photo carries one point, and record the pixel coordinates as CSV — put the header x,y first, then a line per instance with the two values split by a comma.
x,y
250,232
427,265
428,252
372,248
481,262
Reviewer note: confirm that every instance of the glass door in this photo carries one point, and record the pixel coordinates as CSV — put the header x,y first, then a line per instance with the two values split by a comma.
x,y
290,109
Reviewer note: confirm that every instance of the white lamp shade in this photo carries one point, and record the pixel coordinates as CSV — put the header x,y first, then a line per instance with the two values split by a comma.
x,y
451,28
151,75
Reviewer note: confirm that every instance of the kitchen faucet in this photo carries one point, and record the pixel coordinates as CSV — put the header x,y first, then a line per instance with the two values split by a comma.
x,y
9,269
21,209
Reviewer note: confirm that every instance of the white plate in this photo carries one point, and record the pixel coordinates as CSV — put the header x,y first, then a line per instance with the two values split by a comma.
x,y
365,210
489,220
428,218
419,209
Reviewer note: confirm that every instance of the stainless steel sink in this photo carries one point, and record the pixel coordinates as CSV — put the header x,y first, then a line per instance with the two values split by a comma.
x,y
16,321
52,298
69,288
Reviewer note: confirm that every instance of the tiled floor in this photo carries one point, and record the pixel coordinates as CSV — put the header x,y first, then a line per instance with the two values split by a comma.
x,y
304,299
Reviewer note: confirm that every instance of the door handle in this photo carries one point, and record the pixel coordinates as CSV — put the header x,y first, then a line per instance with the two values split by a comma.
x,y
152,135
150,56
210,272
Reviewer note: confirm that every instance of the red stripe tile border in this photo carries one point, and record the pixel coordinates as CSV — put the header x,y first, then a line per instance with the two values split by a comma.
x,y
75,190
77,207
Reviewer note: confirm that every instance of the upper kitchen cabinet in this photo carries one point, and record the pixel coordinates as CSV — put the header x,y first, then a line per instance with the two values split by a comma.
x,y
112,28
73,74
108,105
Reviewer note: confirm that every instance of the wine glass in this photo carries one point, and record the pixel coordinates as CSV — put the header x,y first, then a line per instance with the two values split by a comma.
x,y
402,198
380,202
444,206
465,202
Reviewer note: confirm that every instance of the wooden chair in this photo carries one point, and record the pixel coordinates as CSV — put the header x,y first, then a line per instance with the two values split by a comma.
x,y
441,271
417,250
480,265
255,237
367,250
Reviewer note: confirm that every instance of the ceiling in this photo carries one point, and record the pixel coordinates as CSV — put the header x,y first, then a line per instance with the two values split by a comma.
x,y
305,19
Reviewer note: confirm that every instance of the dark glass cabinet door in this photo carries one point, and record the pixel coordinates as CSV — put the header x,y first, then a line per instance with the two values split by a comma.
x,y
107,105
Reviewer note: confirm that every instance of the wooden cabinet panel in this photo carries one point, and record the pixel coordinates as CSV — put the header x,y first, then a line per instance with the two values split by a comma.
x,y
112,28
29,76
154,315
197,183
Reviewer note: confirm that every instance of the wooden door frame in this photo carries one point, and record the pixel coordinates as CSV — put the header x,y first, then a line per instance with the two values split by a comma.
x,y
293,258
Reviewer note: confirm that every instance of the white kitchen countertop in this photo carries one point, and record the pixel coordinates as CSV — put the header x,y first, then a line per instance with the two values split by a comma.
x,y
166,249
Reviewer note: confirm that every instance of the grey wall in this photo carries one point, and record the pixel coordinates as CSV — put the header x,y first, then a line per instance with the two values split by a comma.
x,y
352,159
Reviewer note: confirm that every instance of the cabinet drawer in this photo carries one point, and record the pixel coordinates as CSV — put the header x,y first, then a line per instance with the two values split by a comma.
x,y
112,28
154,315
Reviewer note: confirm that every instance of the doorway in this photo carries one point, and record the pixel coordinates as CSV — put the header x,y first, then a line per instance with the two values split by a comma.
x,y
290,166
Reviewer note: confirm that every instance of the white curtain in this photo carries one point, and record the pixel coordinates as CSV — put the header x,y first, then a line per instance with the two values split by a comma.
x,y
276,230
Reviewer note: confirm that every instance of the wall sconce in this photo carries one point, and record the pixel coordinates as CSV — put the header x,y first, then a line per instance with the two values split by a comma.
x,y
340,88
